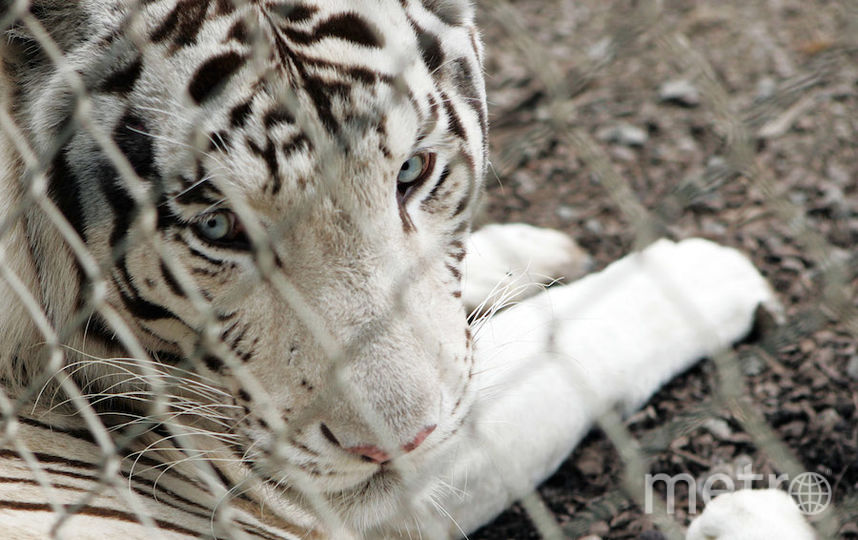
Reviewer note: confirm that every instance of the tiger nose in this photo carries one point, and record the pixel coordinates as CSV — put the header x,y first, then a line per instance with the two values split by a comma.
x,y
375,454
370,453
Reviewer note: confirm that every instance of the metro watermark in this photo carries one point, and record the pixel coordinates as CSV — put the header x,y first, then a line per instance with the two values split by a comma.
x,y
811,491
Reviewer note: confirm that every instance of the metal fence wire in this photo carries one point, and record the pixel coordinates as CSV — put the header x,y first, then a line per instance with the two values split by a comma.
x,y
619,123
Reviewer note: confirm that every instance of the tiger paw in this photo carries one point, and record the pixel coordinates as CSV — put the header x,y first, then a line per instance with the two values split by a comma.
x,y
512,261
747,514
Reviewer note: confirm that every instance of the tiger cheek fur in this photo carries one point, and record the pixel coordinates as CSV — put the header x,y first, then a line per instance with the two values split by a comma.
x,y
285,126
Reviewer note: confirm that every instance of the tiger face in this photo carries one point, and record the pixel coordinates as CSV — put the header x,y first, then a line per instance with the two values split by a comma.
x,y
275,196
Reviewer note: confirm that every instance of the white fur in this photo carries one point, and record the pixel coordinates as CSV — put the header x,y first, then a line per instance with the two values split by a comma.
x,y
761,514
548,367
507,262
355,274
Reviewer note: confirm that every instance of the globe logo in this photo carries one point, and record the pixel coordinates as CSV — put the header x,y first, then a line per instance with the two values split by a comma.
x,y
811,491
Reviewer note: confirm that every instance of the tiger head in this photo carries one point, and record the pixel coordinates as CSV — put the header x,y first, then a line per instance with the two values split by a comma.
x,y
271,200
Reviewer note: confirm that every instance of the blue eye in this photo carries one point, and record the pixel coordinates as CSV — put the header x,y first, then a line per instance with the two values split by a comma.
x,y
412,169
222,229
217,226
414,172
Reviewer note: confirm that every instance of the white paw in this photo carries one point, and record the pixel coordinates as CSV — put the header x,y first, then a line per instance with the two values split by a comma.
x,y
641,320
509,262
760,514
711,283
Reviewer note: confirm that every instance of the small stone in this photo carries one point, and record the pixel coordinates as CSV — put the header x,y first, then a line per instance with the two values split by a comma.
x,y
828,418
623,153
766,88
566,212
714,228
852,368
679,92
793,429
601,50
624,134
591,463
797,198
527,184
718,427
594,226
753,365
716,162
686,144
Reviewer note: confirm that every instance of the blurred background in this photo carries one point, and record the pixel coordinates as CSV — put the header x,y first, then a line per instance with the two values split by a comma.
x,y
623,121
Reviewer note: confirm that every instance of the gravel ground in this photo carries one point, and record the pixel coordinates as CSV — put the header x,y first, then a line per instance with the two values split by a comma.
x,y
786,70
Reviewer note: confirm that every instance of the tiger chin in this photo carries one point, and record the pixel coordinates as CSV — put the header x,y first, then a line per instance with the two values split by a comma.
x,y
234,241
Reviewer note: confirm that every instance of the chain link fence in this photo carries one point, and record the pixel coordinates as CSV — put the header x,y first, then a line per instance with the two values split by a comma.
x,y
592,139
693,119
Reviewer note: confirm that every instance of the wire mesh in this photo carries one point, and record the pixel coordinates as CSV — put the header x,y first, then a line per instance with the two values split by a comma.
x,y
634,49
562,106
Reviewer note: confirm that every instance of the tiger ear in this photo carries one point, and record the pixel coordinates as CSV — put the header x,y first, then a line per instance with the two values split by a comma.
x,y
452,12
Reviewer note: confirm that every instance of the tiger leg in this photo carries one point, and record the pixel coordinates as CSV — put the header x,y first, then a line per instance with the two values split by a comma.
x,y
550,366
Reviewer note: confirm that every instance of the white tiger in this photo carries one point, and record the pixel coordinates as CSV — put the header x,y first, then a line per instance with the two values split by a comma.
x,y
233,237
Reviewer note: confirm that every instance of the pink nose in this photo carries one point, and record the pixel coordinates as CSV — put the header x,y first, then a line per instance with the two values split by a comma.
x,y
418,440
377,455
370,453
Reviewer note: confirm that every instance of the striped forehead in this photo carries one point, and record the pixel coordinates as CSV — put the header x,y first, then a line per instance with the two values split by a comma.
x,y
271,79
208,42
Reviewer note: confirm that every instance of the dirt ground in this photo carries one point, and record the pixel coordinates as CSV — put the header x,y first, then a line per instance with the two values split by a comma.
x,y
613,71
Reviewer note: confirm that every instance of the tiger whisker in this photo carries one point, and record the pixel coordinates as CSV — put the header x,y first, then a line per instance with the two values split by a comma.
x,y
200,384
